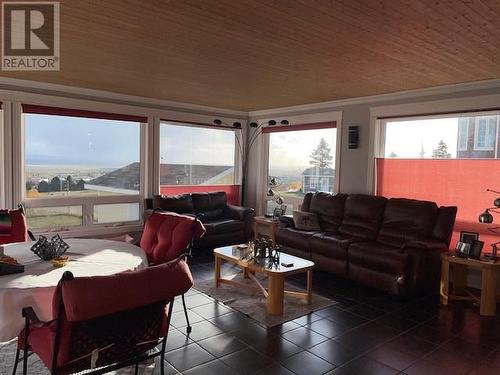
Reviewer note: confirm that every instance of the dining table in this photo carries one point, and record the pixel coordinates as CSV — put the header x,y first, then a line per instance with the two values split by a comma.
x,y
36,285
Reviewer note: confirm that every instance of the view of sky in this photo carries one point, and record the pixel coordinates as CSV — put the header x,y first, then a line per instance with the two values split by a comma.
x,y
406,138
200,146
61,140
292,149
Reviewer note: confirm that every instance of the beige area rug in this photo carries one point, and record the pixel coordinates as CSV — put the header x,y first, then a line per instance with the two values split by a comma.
x,y
253,304
36,367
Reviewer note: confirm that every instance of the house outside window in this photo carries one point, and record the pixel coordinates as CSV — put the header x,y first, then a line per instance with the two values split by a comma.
x,y
485,133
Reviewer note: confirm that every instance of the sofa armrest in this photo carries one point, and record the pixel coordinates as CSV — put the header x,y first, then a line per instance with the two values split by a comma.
x,y
426,245
425,265
244,214
286,221
238,212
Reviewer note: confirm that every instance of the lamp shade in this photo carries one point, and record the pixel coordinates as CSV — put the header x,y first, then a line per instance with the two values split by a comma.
x,y
496,202
486,217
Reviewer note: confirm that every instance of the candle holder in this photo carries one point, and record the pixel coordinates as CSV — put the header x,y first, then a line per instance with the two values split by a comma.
x,y
48,250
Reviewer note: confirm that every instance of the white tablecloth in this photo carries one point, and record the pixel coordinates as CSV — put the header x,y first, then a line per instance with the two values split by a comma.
x,y
35,287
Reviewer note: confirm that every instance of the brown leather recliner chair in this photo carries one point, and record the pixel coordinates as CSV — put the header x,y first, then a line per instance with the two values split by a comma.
x,y
225,224
390,244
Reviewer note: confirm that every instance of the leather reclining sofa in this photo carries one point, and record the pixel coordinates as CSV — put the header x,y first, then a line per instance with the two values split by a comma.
x,y
225,224
390,244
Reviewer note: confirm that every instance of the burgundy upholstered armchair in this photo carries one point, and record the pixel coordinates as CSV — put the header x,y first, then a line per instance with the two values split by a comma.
x,y
104,323
167,236
13,226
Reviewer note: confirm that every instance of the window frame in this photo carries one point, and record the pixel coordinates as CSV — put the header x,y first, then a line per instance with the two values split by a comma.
x,y
87,203
381,125
238,139
260,150
298,200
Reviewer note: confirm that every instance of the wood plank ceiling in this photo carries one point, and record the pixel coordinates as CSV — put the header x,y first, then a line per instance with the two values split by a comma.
x,y
258,54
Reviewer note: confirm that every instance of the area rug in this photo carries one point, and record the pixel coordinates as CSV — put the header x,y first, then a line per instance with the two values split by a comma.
x,y
252,303
35,365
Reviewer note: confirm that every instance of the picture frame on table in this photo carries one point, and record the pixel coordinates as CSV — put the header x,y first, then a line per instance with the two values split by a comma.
x,y
469,237
279,211
463,249
475,249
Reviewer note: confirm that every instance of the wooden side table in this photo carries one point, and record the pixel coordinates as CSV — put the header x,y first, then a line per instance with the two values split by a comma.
x,y
490,273
268,222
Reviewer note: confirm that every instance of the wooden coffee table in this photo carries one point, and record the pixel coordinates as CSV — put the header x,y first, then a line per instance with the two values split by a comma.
x,y
275,290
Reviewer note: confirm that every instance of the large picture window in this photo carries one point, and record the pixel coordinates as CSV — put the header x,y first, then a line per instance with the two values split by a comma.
x,y
436,159
197,159
301,161
80,170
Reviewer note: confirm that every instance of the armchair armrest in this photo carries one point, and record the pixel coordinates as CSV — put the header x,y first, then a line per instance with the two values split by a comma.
x,y
286,221
30,315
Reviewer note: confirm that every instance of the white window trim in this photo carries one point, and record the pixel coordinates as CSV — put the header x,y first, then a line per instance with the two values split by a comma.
x,y
261,149
463,134
476,132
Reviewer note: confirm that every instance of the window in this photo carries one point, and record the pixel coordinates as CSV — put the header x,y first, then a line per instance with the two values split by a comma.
x,y
301,161
463,134
485,133
80,169
425,159
197,159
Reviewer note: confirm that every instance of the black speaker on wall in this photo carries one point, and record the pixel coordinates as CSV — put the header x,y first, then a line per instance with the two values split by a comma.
x,y
353,137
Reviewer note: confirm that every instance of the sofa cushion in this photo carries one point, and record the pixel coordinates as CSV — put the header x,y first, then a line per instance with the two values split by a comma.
x,y
407,220
332,245
330,210
211,205
363,216
290,237
224,226
379,257
181,204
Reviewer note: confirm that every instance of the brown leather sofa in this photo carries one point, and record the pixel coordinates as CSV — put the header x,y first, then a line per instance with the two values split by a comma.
x,y
390,244
225,224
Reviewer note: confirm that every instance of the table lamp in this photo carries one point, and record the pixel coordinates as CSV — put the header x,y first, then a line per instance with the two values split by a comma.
x,y
487,218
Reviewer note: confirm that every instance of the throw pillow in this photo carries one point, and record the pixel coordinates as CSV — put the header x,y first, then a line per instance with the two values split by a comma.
x,y
305,220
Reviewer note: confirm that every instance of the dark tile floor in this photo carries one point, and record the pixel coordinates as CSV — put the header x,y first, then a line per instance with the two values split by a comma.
x,y
367,332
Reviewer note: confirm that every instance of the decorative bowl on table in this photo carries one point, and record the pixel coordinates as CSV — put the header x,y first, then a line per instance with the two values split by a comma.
x,y
59,261
48,250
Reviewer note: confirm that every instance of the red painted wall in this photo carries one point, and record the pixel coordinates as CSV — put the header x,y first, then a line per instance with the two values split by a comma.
x,y
232,191
448,182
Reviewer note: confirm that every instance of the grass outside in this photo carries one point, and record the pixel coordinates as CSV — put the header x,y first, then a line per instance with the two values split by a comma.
x,y
51,221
